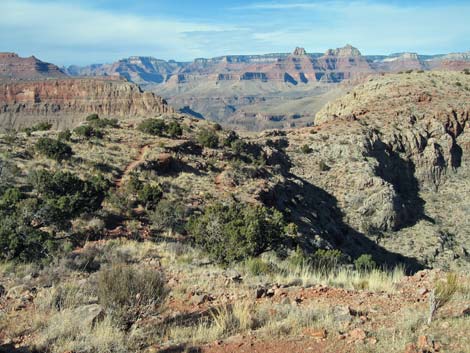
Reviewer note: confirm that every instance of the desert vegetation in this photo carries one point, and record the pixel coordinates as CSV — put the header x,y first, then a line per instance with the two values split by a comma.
x,y
165,233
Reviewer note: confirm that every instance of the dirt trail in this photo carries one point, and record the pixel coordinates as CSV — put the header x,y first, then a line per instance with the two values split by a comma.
x,y
134,164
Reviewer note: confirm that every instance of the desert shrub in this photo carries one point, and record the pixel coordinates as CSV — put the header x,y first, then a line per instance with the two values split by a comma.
x,y
8,172
154,127
365,262
53,149
238,146
65,135
103,123
128,294
167,215
87,132
230,138
280,144
43,126
174,129
466,71
323,166
442,294
150,195
237,231
64,196
298,259
306,149
92,117
257,267
134,184
19,241
327,260
217,127
208,138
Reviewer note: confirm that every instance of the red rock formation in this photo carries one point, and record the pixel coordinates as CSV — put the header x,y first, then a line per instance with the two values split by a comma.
x,y
65,102
14,67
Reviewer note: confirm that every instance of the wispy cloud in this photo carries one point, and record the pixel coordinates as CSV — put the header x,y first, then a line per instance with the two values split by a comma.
x,y
86,33
64,32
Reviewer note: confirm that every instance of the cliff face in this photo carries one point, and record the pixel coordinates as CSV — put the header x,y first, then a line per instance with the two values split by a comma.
x,y
14,67
65,102
394,156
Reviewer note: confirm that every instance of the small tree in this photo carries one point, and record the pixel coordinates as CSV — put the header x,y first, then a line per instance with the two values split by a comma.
x,y
53,149
238,231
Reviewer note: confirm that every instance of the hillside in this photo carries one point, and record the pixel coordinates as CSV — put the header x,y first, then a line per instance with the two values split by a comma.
x,y
396,150
171,234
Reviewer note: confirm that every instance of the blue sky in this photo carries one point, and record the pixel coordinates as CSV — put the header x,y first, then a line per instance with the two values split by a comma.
x,y
94,31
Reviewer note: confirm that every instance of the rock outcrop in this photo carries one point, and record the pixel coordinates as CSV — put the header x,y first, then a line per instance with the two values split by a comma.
x,y
66,102
14,67
393,158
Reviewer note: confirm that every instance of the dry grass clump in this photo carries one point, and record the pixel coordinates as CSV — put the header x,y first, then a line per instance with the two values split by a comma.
x,y
442,294
267,320
286,272
65,333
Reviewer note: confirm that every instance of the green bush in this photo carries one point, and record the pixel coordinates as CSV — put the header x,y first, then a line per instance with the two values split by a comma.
x,y
174,129
128,294
156,127
86,131
208,138
327,260
53,149
150,195
64,196
167,215
18,239
365,262
65,135
466,71
104,123
92,117
238,231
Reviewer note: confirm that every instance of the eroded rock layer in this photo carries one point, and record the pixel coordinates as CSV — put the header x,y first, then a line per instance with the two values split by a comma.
x,y
65,102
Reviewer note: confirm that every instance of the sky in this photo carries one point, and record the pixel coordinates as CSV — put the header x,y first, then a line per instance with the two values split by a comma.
x,y
67,32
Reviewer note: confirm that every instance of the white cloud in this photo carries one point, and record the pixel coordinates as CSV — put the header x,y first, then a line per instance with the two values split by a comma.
x,y
63,28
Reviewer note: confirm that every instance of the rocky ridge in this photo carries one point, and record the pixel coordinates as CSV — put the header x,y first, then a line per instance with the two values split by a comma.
x,y
14,67
393,159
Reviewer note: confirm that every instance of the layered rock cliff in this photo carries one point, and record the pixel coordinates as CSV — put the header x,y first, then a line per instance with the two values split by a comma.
x,y
65,102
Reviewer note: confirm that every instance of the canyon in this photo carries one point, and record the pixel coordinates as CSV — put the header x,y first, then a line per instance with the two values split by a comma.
x,y
258,92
